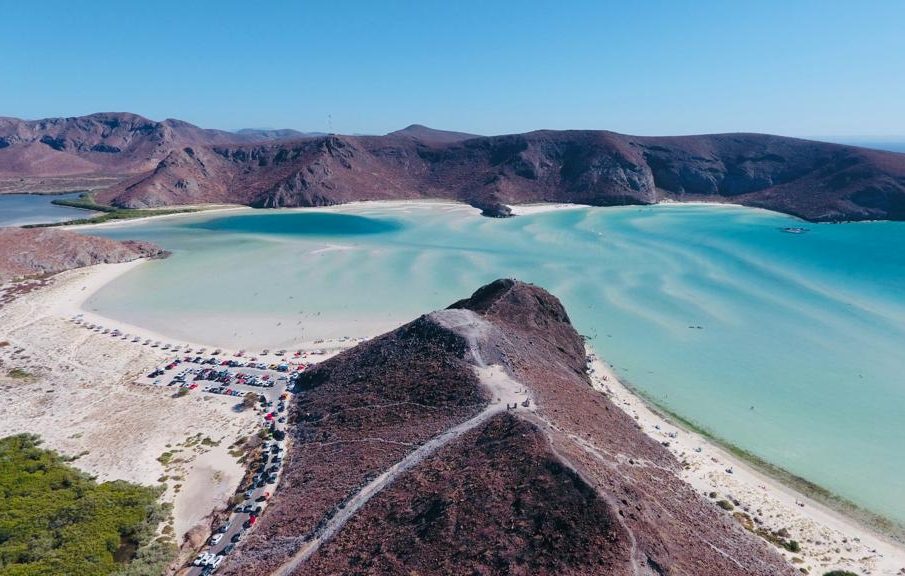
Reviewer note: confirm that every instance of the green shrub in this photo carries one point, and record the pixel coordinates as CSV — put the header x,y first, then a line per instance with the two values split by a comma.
x,y
57,520
725,505
19,374
839,573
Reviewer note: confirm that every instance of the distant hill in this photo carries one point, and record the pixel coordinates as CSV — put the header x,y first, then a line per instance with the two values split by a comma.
x,y
173,162
263,134
425,134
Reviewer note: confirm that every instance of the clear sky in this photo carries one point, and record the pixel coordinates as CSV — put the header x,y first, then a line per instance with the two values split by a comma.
x,y
805,68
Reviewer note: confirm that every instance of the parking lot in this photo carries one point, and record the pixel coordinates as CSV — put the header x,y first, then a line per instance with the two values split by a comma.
x,y
273,382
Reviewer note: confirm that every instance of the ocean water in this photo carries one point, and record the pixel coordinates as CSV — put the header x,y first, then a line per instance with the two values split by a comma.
x,y
791,346
22,209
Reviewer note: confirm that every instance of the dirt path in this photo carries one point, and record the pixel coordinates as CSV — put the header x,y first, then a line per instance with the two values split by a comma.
x,y
505,392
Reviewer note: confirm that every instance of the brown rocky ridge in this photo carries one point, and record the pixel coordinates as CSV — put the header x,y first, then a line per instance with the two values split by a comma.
x,y
173,162
29,252
470,441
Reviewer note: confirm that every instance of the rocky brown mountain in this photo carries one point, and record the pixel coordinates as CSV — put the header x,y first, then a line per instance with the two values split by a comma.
x,y
471,442
27,252
172,162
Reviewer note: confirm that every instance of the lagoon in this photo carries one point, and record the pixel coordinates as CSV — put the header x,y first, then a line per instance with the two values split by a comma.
x,y
786,345
24,209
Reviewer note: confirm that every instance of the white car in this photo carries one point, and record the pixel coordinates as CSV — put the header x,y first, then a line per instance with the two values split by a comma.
x,y
216,538
203,559
215,563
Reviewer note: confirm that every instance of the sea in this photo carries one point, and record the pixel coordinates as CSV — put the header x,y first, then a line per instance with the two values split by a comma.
x,y
781,337
24,209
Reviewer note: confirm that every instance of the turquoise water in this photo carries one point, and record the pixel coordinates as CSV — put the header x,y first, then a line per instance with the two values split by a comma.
x,y
22,209
799,358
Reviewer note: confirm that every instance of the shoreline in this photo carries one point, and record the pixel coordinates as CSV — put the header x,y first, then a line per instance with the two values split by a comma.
x,y
824,521
106,273
198,209
82,400
830,539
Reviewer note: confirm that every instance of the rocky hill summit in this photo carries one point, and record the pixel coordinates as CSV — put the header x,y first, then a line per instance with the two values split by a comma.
x,y
470,441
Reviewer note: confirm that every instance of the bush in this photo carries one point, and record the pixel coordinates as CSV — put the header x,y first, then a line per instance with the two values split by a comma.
x,y
58,520
250,400
19,374
725,505
839,573
792,546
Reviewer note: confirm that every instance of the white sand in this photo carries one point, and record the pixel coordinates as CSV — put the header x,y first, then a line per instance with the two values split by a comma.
x,y
82,398
829,540
527,209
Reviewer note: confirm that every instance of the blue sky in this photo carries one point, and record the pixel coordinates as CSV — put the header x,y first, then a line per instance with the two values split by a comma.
x,y
805,68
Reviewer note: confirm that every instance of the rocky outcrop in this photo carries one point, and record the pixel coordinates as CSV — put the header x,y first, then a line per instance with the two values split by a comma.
x,y
404,461
814,180
29,252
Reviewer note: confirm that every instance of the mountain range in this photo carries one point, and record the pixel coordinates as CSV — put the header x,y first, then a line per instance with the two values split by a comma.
x,y
136,162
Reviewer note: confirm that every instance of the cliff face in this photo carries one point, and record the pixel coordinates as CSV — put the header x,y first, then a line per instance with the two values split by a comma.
x,y
38,251
172,162
470,442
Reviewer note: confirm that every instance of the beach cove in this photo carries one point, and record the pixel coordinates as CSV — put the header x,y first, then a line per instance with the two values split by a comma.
x,y
708,311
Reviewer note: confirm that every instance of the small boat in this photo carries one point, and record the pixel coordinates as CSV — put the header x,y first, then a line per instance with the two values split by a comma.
x,y
794,230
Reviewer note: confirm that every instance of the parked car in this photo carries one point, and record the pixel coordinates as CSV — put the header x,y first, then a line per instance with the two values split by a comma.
x,y
216,538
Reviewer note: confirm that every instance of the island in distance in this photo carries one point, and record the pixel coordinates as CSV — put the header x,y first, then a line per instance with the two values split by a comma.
x,y
134,162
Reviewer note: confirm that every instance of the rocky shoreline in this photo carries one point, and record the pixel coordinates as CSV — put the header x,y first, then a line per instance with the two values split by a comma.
x,y
30,253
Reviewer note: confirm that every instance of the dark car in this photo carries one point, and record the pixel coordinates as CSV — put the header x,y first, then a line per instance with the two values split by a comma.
x,y
236,537
227,549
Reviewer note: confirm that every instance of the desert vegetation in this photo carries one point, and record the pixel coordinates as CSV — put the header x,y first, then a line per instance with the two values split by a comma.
x,y
56,519
87,202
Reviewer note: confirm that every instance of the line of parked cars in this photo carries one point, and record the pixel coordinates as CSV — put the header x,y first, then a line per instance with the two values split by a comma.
x,y
269,466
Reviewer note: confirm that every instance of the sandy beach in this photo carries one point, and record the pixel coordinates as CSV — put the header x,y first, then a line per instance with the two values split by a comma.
x,y
201,209
76,390
828,540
